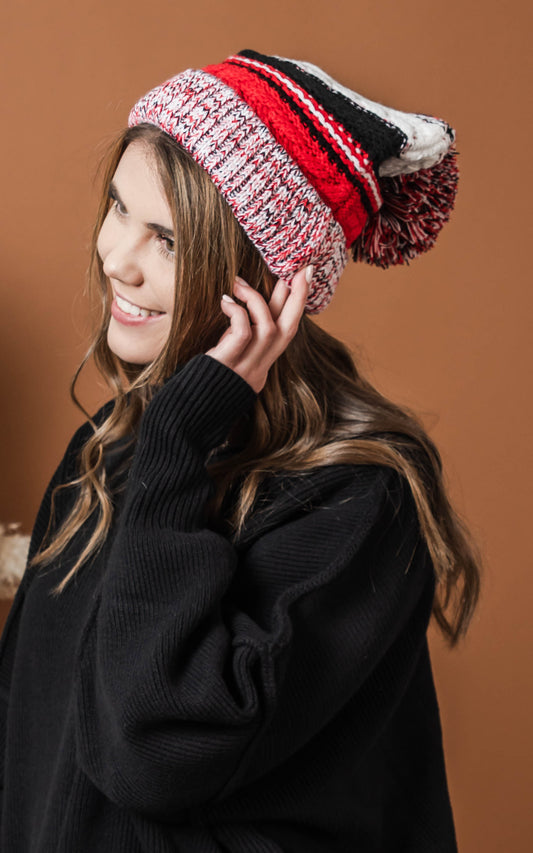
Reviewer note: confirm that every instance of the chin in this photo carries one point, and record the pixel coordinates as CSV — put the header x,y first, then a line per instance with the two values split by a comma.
x,y
130,347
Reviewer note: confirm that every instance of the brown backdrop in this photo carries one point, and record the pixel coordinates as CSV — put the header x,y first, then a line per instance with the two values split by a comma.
x,y
447,336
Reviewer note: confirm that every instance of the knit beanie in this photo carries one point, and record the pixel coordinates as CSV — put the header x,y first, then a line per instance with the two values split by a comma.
x,y
311,169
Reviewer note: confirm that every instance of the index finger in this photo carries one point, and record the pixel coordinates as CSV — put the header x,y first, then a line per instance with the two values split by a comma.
x,y
291,313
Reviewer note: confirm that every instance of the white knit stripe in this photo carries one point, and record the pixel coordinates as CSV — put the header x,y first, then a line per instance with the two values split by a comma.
x,y
272,199
427,137
359,162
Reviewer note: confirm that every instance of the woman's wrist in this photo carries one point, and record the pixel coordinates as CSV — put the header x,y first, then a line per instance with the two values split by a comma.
x,y
203,399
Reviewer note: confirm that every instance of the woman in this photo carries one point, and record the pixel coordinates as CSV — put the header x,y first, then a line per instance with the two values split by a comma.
x,y
219,643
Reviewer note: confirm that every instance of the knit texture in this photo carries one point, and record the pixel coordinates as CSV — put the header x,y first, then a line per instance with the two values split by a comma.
x,y
187,692
309,167
326,153
281,212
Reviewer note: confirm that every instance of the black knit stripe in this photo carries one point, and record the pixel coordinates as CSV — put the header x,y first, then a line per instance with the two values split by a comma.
x,y
315,133
379,139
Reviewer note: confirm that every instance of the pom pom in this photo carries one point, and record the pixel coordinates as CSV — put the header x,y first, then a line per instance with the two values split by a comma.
x,y
414,209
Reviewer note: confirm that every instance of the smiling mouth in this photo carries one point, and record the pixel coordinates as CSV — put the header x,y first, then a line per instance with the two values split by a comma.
x,y
134,310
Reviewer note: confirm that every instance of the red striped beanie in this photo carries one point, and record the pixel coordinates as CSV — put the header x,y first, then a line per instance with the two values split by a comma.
x,y
311,169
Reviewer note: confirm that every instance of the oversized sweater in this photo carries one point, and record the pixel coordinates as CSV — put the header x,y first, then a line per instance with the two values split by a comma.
x,y
195,692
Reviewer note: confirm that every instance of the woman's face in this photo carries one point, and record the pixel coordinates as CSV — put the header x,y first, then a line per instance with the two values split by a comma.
x,y
136,245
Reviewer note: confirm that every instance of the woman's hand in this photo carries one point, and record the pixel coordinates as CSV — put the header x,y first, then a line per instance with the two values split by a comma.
x,y
259,333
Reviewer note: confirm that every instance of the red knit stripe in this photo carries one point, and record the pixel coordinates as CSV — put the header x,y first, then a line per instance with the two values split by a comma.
x,y
331,184
278,207
332,131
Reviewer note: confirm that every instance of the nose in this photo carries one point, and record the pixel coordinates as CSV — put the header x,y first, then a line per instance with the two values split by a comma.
x,y
122,261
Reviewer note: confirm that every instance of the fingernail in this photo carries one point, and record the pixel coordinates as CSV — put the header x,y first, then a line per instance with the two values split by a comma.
x,y
239,280
227,298
309,273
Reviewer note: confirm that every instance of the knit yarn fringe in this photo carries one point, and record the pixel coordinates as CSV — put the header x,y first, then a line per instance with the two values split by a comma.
x,y
414,209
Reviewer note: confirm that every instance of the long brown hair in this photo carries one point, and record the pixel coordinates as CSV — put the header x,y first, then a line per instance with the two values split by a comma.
x,y
316,408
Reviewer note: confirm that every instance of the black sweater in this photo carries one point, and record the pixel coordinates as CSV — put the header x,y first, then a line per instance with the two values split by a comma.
x,y
191,693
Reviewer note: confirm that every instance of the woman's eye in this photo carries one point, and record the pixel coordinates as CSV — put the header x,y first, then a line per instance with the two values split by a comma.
x,y
166,246
117,207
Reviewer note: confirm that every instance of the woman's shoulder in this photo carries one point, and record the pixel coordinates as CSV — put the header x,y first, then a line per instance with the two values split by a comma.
x,y
340,533
359,489
329,482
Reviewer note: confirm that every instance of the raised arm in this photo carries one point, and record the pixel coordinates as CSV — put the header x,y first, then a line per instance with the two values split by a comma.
x,y
200,657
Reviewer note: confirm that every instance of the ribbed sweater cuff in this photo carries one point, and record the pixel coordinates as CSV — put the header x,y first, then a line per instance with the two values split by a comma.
x,y
188,417
203,399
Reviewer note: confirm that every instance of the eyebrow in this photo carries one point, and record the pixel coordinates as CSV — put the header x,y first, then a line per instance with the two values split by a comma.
x,y
153,226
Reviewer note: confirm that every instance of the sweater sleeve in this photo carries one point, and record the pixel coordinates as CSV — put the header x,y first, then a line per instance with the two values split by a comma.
x,y
197,659
66,470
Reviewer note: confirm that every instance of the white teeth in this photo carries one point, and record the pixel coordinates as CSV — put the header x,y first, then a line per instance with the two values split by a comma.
x,y
134,310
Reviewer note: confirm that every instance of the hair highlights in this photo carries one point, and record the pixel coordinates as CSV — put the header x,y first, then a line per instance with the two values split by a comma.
x,y
316,408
